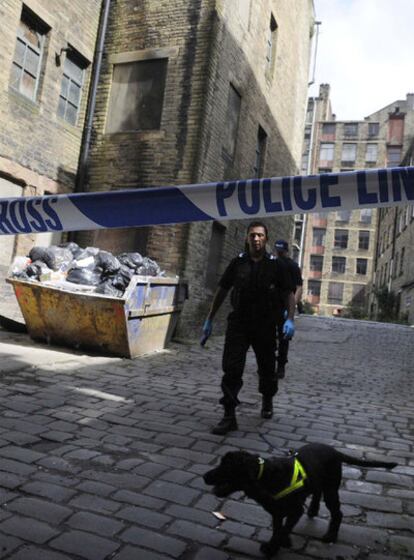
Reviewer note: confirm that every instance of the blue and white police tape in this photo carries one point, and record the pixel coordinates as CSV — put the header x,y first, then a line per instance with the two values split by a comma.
x,y
244,199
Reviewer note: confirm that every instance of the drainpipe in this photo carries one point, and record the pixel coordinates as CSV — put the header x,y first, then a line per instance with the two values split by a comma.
x,y
309,168
90,110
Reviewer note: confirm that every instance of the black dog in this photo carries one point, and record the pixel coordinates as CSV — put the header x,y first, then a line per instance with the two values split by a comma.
x,y
281,486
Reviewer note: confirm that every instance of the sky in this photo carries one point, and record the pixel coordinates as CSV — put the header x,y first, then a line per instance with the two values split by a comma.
x,y
366,54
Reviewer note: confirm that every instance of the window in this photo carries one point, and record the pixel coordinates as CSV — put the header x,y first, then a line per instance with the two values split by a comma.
x,y
335,292
350,130
232,124
326,152
319,237
358,294
373,129
366,215
371,154
323,170
27,59
341,238
339,265
348,154
260,152
402,261
218,233
316,263
328,128
137,95
343,216
71,88
363,240
393,156
314,288
271,46
400,221
395,267
361,266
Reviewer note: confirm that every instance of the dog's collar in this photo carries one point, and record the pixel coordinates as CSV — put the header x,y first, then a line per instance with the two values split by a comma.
x,y
298,478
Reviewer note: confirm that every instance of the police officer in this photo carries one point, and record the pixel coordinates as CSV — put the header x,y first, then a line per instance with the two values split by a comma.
x,y
261,289
281,250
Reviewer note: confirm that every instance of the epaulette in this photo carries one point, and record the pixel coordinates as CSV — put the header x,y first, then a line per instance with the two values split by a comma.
x,y
241,255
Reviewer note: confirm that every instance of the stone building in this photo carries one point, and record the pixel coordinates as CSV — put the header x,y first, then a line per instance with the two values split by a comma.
x,y
340,247
392,291
45,67
226,98
188,92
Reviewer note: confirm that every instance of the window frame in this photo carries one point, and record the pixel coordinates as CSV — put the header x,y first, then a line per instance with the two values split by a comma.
x,y
361,261
338,264
37,26
338,243
75,58
361,236
332,298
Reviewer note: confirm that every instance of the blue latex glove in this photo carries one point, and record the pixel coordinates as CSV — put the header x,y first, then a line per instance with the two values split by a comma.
x,y
207,330
288,328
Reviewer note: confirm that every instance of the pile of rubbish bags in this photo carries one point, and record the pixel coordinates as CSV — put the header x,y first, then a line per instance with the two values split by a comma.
x,y
100,270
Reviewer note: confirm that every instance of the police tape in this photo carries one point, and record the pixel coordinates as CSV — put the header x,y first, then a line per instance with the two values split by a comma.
x,y
231,200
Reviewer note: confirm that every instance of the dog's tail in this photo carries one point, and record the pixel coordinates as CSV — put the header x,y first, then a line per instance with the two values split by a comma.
x,y
365,463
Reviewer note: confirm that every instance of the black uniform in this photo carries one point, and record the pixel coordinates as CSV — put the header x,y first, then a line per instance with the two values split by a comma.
x,y
296,279
259,296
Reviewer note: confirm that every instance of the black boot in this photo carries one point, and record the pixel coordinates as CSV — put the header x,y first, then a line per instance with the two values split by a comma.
x,y
267,407
280,372
227,424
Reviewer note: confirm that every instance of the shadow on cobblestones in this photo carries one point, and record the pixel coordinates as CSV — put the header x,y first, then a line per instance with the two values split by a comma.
x,y
101,458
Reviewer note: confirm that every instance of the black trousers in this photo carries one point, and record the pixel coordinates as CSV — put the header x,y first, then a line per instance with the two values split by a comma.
x,y
240,335
282,346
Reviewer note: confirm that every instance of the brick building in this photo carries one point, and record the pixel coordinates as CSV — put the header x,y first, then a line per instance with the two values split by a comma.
x,y
227,97
45,67
340,247
188,92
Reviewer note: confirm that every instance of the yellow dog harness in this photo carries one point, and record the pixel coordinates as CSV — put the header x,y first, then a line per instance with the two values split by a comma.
x,y
298,478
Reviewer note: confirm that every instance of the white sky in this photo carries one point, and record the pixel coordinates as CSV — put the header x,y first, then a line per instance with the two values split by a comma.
x,y
366,54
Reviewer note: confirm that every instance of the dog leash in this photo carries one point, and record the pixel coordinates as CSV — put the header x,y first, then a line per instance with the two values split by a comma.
x,y
298,478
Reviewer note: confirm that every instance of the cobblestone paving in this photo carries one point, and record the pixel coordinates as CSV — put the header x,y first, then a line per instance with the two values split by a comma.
x,y
101,458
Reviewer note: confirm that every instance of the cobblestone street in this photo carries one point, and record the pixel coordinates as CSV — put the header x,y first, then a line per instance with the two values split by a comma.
x,y
101,458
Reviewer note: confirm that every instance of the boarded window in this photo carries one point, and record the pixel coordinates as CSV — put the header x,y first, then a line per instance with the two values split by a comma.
x,y
232,124
393,156
28,53
137,96
335,292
